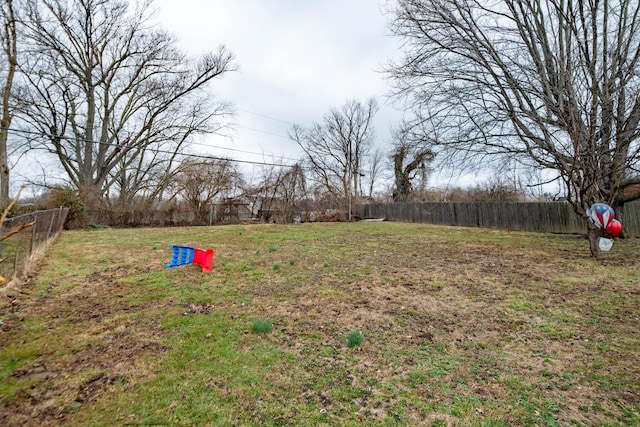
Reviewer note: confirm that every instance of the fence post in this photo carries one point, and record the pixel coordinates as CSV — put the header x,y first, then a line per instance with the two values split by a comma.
x,y
58,225
53,217
15,266
33,235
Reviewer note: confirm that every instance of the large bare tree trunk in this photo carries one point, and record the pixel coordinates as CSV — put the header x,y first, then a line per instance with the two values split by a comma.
x,y
10,54
593,234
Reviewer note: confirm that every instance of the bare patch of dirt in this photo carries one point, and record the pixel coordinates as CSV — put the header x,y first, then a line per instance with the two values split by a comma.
x,y
106,348
199,308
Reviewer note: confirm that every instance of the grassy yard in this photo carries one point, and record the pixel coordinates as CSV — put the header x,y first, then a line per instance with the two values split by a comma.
x,y
370,323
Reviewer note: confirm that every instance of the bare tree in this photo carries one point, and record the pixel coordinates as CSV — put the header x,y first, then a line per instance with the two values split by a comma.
x,y
200,182
553,84
143,182
337,146
376,168
145,174
290,189
410,157
259,189
107,85
8,67
278,193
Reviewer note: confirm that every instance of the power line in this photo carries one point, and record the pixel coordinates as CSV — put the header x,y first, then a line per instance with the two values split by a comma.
x,y
264,131
201,144
266,117
88,141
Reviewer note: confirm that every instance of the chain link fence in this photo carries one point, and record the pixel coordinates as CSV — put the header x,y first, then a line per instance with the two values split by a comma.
x,y
18,250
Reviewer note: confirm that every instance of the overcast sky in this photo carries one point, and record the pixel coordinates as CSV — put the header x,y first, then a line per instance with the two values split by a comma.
x,y
297,59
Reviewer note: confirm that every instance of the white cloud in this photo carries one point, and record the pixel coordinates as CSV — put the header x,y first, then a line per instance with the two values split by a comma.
x,y
297,60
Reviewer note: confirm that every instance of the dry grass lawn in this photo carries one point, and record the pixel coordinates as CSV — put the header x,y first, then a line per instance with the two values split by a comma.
x,y
461,327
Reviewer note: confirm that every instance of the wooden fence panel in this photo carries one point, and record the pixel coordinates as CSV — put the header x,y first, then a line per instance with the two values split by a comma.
x,y
631,219
553,217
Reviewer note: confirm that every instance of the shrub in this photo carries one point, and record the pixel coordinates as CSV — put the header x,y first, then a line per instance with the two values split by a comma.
x,y
65,197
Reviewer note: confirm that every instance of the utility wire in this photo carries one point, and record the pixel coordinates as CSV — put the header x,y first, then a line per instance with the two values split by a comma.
x,y
202,144
263,131
266,117
200,156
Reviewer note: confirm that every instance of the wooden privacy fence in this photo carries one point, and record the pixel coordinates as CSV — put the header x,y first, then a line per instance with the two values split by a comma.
x,y
553,217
